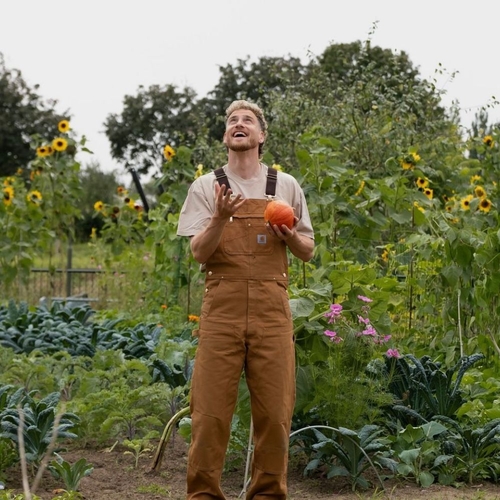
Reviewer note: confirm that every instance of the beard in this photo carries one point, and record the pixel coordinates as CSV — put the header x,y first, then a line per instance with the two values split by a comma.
x,y
239,145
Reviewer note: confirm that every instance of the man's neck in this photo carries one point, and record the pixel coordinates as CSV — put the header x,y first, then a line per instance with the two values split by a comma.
x,y
246,166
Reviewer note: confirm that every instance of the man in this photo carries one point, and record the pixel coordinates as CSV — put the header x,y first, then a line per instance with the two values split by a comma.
x,y
245,321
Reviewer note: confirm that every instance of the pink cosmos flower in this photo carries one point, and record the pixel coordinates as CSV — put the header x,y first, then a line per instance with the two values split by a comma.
x,y
393,353
369,330
334,313
365,321
333,336
364,299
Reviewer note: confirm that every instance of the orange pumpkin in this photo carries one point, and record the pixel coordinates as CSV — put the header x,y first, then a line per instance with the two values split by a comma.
x,y
279,213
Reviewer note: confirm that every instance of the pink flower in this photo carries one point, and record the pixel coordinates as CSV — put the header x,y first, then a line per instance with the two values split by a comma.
x,y
392,353
366,321
333,336
334,313
369,331
364,299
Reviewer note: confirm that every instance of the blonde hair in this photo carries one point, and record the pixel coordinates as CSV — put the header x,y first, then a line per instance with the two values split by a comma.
x,y
242,104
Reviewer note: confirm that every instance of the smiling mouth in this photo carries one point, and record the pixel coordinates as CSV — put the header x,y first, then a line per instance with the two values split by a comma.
x,y
238,135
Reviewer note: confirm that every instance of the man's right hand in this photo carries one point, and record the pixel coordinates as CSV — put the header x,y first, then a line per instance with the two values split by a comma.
x,y
226,205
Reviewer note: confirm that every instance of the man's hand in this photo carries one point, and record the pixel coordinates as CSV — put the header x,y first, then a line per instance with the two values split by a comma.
x,y
283,232
226,205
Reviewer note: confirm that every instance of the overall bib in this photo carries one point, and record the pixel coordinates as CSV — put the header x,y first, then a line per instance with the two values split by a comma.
x,y
245,324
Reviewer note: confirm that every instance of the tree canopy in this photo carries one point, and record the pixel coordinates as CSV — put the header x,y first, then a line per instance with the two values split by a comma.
x,y
23,113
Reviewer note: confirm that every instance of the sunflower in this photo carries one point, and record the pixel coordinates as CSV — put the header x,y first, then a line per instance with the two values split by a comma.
x,y
193,317
199,171
42,151
277,167
418,207
385,255
59,144
485,205
429,193
479,192
8,181
34,197
465,202
121,191
130,203
449,208
19,171
63,126
8,195
488,141
475,178
168,152
98,206
422,183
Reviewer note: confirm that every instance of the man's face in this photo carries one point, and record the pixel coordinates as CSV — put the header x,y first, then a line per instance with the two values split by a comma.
x,y
243,131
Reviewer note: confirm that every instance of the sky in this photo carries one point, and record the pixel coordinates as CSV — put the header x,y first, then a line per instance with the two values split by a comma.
x,y
90,54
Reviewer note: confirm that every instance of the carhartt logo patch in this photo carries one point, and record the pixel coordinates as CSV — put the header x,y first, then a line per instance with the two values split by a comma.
x,y
262,239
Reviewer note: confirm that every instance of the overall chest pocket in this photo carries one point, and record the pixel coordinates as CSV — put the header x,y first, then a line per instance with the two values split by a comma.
x,y
247,236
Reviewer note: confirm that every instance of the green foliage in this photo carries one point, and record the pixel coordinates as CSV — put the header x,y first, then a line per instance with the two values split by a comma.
x,y
23,113
472,453
418,450
137,448
70,474
38,427
423,390
156,116
349,453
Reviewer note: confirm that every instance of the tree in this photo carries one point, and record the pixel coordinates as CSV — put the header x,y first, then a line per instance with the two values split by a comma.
x,y
254,81
23,113
96,186
155,117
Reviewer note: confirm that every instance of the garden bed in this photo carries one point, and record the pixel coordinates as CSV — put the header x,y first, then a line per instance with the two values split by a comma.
x,y
115,478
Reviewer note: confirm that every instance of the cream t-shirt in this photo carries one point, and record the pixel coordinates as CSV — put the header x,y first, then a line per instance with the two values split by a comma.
x,y
199,205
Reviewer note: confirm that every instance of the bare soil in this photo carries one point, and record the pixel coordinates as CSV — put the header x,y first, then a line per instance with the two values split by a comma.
x,y
115,477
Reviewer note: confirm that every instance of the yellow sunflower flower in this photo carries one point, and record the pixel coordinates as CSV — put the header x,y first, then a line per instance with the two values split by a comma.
x,y
63,126
418,207
8,181
488,141
34,197
93,234
59,144
465,202
193,317
42,151
277,167
429,193
422,183
479,192
121,191
168,152
8,195
98,206
475,178
385,255
485,205
19,171
199,171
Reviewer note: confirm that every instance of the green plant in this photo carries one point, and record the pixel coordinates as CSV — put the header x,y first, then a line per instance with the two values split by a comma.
x,y
417,449
423,389
71,475
137,448
39,418
10,495
349,453
472,453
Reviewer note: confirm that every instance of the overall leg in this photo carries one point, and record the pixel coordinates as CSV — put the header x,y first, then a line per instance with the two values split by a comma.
x,y
214,390
270,374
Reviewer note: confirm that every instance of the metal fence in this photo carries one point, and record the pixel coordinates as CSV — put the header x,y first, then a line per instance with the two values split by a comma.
x,y
45,285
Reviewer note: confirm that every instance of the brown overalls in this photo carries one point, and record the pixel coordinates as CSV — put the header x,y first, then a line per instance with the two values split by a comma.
x,y
245,323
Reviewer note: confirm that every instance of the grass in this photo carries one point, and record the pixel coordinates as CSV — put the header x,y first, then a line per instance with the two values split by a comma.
x,y
82,256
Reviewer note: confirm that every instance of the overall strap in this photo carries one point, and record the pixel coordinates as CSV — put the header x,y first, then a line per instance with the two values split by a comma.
x,y
221,177
272,178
